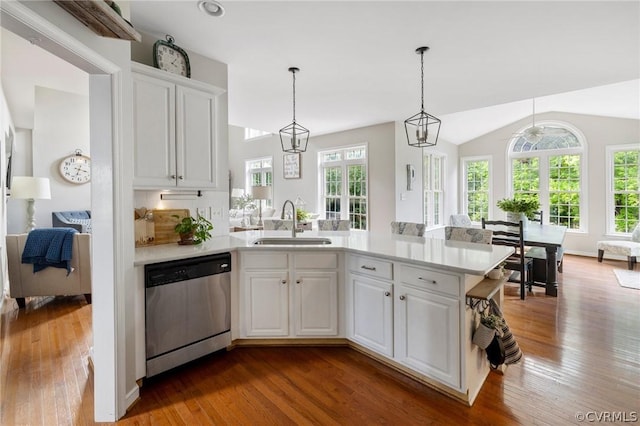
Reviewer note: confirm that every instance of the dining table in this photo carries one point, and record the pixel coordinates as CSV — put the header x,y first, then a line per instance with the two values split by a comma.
x,y
551,238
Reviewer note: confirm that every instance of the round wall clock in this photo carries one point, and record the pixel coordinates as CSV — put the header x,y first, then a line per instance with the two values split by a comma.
x,y
76,168
169,57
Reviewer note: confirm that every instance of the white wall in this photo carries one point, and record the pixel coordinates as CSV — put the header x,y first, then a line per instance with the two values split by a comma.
x,y
380,140
61,125
599,132
409,204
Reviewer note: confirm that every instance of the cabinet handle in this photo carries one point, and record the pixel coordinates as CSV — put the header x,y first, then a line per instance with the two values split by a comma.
x,y
368,268
298,281
173,176
426,280
402,297
386,293
181,177
283,281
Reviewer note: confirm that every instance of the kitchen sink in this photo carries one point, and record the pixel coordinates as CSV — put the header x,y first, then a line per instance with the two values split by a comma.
x,y
290,241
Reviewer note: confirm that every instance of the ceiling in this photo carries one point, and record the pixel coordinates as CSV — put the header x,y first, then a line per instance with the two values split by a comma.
x,y
359,67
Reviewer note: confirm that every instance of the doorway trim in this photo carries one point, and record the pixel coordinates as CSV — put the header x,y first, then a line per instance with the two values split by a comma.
x,y
108,309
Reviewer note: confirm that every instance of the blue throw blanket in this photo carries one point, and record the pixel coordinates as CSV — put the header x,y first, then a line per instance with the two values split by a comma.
x,y
49,247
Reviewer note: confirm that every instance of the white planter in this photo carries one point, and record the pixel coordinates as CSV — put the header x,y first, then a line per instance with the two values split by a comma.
x,y
517,217
483,336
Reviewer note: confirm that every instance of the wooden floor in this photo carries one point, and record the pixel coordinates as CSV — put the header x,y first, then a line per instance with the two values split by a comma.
x,y
582,355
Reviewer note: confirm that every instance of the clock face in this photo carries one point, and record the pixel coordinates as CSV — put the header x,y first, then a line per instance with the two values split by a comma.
x,y
171,58
76,169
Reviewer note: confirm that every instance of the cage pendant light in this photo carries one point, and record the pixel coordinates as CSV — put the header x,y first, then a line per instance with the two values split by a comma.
x,y
294,137
422,129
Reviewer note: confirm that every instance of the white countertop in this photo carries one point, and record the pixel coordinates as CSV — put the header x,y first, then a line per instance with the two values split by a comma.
x,y
455,256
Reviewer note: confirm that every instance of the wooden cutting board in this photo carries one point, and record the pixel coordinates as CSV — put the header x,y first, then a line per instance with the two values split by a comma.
x,y
164,222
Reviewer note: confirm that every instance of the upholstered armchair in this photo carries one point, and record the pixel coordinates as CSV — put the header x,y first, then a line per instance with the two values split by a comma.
x,y
23,282
630,249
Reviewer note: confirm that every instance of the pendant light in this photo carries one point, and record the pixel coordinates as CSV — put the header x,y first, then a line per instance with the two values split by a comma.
x,y
422,129
294,137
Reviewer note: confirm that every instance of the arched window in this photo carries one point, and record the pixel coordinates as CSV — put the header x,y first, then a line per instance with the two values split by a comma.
x,y
547,163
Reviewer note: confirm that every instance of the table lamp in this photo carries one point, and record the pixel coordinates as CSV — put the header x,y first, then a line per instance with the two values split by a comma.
x,y
261,193
30,188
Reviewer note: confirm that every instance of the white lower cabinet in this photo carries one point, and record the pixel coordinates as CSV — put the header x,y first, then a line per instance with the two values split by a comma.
x,y
427,333
315,298
277,306
266,297
408,313
372,313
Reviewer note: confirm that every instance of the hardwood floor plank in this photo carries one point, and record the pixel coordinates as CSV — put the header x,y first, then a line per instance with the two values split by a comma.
x,y
581,354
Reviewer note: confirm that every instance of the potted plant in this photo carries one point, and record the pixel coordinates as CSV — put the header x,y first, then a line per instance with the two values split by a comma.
x,y
243,202
193,230
301,219
489,326
519,209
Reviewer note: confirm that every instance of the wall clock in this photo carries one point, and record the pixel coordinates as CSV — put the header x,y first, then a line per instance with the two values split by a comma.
x,y
169,57
76,168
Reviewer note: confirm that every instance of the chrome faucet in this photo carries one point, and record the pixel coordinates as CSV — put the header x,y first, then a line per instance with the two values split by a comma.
x,y
293,216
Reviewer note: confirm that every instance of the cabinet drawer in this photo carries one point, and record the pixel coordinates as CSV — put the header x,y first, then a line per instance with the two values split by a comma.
x,y
315,260
430,280
371,266
265,261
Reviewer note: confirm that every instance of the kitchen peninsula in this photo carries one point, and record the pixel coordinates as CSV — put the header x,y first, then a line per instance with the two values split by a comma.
x,y
399,299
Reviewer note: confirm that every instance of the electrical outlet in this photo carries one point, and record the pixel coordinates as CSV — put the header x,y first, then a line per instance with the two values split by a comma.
x,y
202,212
215,212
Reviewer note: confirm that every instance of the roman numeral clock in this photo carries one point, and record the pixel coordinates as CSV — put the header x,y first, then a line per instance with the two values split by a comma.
x,y
76,168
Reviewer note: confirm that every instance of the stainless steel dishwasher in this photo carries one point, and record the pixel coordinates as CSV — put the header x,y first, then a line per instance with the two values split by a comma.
x,y
187,310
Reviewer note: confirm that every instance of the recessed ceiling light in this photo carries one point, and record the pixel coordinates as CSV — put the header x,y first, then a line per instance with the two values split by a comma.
x,y
211,7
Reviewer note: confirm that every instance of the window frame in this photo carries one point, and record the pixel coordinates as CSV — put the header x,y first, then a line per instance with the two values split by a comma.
x,y
543,159
463,183
263,170
344,164
428,216
610,150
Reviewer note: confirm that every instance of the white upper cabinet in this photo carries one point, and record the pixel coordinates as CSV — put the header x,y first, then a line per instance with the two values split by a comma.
x,y
176,132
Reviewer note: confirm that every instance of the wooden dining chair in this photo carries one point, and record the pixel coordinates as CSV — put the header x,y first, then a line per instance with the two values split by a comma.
x,y
511,234
538,217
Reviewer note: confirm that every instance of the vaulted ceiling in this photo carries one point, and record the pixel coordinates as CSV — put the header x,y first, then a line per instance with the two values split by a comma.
x,y
359,67
487,60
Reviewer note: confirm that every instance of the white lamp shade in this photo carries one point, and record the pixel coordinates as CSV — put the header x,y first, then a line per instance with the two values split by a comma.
x,y
237,192
30,188
261,192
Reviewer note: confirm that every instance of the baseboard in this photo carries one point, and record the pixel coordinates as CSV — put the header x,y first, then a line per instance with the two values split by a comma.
x,y
338,341
132,397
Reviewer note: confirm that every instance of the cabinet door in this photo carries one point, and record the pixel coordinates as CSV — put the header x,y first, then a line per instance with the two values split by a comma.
x,y
153,132
266,297
372,313
427,334
316,303
197,150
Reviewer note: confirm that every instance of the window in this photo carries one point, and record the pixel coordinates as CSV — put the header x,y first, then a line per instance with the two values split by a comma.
x,y
432,176
551,170
623,188
477,186
254,133
344,185
260,173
